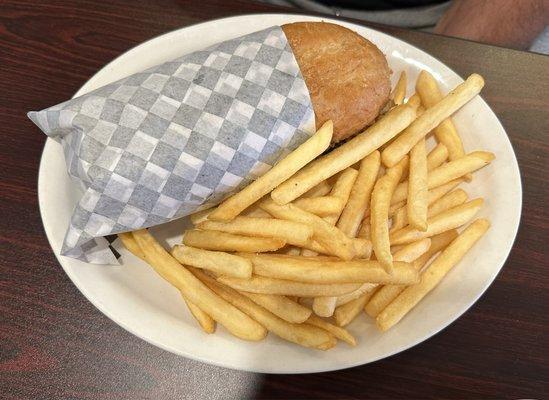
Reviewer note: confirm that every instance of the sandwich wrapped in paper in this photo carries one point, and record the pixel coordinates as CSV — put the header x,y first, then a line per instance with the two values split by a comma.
x,y
182,136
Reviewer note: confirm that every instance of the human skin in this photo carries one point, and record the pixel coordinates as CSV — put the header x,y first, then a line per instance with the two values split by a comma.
x,y
508,23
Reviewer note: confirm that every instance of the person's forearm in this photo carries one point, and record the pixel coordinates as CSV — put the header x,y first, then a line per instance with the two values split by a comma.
x,y
509,23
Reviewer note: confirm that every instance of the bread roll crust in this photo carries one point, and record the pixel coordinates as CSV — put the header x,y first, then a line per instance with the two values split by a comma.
x,y
347,75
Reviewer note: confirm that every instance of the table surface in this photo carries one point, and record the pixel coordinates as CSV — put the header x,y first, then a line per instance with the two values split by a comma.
x,y
54,344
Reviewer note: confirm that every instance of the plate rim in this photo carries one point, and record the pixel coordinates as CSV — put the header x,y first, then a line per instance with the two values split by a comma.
x,y
243,367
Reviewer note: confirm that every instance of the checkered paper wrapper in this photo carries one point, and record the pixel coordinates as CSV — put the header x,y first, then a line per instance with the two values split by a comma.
x,y
178,137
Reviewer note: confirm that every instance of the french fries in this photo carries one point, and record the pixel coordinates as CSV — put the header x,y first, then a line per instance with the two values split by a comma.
x,y
399,91
294,246
311,270
302,334
215,261
449,219
322,206
365,231
345,155
449,257
351,217
445,132
431,118
264,285
384,295
285,168
346,313
131,245
437,156
238,323
381,200
342,190
200,216
337,331
322,189
291,232
331,238
417,187
448,172
447,201
255,212
221,241
206,322
324,306
281,306
414,100
363,289
362,248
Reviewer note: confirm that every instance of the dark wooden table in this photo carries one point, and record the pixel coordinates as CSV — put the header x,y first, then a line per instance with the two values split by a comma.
x,y
56,345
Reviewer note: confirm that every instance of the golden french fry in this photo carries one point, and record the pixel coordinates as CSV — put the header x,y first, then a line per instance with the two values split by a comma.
x,y
322,189
448,172
345,155
338,332
131,245
384,295
448,201
342,189
399,92
322,271
324,306
236,322
365,288
284,169
447,259
365,231
346,313
362,248
261,284
321,206
200,216
255,212
221,241
413,251
352,214
395,207
409,254
417,187
290,251
436,193
206,322
437,157
291,232
381,200
331,238
302,334
449,219
414,100
400,218
281,306
215,261
445,132
431,118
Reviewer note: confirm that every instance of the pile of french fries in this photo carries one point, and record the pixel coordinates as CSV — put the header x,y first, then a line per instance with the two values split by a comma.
x,y
370,226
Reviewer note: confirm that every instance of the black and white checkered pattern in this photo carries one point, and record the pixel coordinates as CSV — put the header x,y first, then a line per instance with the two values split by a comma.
x,y
159,144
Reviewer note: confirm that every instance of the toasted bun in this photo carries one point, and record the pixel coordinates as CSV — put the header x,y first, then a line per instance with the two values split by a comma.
x,y
347,75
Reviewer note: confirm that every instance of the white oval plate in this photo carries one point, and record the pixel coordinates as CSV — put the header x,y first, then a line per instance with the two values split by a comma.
x,y
137,299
